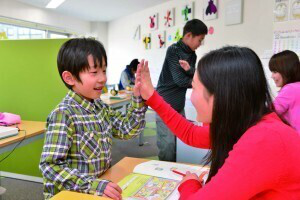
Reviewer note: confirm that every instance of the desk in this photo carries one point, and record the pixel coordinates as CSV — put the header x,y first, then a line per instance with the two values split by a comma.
x,y
17,164
121,103
34,130
116,173
117,103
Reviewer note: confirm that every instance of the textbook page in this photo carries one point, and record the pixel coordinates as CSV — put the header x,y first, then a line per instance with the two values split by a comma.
x,y
144,187
155,180
164,169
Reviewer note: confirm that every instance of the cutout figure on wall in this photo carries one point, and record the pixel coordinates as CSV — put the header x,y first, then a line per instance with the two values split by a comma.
x,y
153,21
161,41
178,35
169,18
186,12
147,41
211,8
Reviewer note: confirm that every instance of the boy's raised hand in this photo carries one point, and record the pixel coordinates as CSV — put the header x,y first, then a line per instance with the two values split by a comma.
x,y
143,79
113,191
185,65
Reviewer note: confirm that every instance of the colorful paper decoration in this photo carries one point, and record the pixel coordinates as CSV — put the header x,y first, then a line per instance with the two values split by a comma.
x,y
210,9
161,39
178,35
211,30
169,18
169,38
153,21
147,41
187,12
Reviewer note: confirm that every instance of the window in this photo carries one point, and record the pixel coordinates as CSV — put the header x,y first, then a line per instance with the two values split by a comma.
x,y
17,32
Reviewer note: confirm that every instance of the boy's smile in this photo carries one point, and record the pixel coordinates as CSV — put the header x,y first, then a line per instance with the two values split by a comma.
x,y
92,80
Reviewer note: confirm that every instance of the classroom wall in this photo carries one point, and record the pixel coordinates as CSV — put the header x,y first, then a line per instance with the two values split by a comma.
x,y
255,32
99,31
17,10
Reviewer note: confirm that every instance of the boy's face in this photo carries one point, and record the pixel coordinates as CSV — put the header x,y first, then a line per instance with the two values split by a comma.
x,y
92,80
194,41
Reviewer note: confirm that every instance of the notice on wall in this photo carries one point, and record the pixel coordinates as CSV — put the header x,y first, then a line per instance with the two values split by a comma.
x,y
287,40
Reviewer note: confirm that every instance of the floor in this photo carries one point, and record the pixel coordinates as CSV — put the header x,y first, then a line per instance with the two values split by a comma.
x,y
25,190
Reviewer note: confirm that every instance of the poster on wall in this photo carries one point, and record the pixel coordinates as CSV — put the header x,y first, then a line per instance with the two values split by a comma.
x,y
187,12
160,39
147,41
281,10
234,12
295,9
286,40
153,21
169,18
210,9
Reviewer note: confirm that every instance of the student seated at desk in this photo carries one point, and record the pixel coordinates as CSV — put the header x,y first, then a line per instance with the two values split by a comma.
x,y
285,68
254,155
78,142
128,75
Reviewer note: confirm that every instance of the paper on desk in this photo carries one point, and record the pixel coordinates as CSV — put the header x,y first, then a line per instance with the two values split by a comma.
x,y
164,169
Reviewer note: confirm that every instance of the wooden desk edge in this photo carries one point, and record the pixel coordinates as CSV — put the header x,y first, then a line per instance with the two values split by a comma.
x,y
19,137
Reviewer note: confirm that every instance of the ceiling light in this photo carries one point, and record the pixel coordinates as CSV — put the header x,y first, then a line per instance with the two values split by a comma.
x,y
54,3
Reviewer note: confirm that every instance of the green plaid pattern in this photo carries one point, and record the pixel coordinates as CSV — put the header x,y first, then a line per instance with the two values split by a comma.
x,y
78,142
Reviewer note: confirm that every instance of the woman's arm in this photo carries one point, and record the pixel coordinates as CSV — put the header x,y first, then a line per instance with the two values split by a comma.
x,y
189,133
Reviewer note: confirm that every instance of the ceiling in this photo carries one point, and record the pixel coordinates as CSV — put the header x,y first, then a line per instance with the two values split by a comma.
x,y
97,10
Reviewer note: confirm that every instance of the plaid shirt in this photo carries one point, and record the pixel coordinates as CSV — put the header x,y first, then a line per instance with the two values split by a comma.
x,y
78,142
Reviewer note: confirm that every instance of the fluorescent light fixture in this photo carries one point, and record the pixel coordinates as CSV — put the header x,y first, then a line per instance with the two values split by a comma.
x,y
54,3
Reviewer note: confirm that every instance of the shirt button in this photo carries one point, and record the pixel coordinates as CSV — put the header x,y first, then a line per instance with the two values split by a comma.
x,y
92,135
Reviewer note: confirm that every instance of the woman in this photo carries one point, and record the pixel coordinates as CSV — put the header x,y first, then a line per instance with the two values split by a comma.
x,y
254,155
128,75
285,68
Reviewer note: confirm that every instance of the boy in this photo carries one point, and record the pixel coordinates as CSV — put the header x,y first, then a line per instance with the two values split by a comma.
x,y
176,76
79,133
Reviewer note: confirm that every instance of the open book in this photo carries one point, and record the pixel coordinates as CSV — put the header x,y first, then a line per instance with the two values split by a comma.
x,y
156,180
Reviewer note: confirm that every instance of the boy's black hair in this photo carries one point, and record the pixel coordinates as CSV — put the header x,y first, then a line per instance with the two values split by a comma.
x,y
196,27
73,55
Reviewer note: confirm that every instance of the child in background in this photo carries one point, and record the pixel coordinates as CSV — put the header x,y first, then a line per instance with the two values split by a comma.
x,y
254,155
128,75
285,68
78,142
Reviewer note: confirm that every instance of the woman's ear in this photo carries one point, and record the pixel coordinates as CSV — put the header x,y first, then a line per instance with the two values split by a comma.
x,y
68,78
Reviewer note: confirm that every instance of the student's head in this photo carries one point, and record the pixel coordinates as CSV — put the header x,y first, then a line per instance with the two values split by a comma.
x,y
285,68
230,92
132,67
82,66
194,33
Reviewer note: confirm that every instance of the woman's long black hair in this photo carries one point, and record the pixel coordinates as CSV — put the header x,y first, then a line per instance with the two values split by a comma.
x,y
235,76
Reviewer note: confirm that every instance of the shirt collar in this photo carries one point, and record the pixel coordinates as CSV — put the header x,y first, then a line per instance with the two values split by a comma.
x,y
185,47
87,105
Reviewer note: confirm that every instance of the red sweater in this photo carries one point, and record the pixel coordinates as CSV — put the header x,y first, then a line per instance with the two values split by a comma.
x,y
263,164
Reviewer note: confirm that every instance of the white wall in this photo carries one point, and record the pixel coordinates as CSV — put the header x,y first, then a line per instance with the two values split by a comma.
x,y
20,11
256,32
99,30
